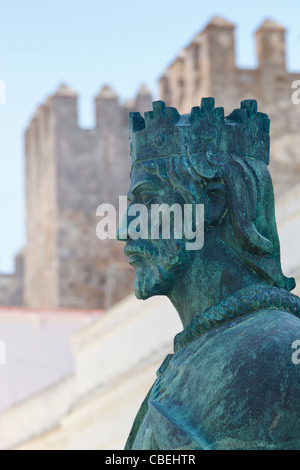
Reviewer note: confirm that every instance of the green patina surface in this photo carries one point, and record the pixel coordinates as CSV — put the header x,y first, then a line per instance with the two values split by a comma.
x,y
231,382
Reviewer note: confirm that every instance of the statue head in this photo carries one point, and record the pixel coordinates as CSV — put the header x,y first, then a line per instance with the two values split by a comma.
x,y
220,162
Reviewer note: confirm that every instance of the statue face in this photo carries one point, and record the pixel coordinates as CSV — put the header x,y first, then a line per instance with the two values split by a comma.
x,y
157,261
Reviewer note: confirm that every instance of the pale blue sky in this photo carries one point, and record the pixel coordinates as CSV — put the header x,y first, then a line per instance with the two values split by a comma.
x,y
90,43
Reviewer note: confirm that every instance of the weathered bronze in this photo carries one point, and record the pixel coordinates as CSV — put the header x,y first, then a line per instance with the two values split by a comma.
x,y
231,382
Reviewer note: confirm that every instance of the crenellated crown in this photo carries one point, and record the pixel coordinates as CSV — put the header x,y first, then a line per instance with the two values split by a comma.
x,y
163,132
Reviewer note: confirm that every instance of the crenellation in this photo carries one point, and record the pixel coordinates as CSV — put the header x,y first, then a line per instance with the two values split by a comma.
x,y
220,43
270,44
66,107
68,177
217,75
107,108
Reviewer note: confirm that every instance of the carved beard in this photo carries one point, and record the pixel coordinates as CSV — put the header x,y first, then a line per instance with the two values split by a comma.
x,y
156,270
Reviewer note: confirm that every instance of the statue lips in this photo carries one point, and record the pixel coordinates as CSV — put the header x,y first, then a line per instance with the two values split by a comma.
x,y
134,255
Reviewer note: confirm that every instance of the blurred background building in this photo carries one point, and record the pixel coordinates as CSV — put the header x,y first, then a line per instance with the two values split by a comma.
x,y
108,360
70,170
207,67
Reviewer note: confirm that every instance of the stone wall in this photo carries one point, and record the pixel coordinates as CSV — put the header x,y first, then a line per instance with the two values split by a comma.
x,y
206,67
70,171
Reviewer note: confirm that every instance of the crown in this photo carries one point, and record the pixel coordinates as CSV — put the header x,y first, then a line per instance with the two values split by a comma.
x,y
164,132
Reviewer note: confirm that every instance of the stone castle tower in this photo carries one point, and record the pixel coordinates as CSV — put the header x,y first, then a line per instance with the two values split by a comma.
x,y
69,172
206,67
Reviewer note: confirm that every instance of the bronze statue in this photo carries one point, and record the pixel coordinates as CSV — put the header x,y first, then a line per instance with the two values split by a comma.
x,y
231,382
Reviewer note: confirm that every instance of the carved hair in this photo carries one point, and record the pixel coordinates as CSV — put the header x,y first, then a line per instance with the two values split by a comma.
x,y
250,200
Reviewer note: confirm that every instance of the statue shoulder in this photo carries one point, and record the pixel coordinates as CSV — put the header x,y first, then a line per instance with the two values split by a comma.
x,y
240,383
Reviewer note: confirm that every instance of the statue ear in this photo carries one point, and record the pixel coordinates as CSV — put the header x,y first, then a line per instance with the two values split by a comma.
x,y
216,202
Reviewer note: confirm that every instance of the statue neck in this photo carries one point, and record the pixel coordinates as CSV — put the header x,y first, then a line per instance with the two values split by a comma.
x,y
213,274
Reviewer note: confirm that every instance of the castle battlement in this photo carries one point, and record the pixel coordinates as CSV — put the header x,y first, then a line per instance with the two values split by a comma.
x,y
69,172
270,45
213,49
63,104
207,67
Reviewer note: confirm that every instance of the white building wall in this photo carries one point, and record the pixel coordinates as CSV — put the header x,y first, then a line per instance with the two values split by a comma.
x,y
115,360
